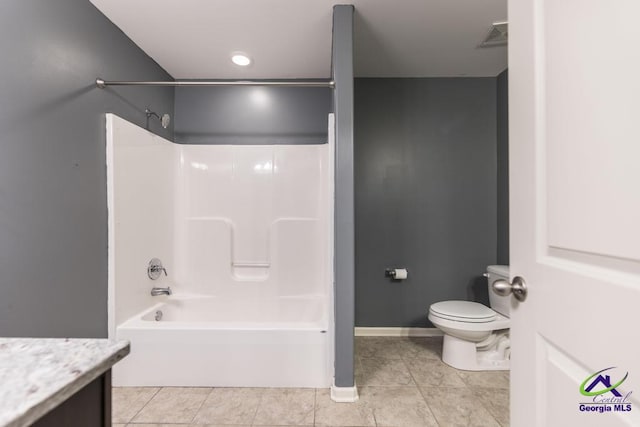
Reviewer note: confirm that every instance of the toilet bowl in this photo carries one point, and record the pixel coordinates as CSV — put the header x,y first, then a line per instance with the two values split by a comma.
x,y
476,337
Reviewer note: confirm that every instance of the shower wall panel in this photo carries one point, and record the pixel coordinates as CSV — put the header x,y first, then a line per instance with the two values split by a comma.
x,y
253,220
246,222
141,214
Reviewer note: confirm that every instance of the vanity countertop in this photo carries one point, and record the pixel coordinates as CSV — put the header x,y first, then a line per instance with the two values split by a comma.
x,y
37,374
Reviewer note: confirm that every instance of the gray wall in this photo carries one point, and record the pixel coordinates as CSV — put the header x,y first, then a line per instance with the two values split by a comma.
x,y
344,256
503,167
53,202
425,179
251,115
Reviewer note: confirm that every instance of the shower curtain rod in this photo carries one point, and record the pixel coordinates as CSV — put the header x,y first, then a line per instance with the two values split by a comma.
x,y
279,83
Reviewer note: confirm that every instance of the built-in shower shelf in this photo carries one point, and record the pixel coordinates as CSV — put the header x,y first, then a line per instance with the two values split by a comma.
x,y
251,264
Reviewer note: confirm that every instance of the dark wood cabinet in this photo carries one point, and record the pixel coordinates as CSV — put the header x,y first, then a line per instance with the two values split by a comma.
x,y
89,407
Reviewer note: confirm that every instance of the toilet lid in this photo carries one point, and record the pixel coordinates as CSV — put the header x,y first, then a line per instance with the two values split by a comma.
x,y
463,311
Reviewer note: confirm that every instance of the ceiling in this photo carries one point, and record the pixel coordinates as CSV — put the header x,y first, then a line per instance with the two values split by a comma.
x,y
194,39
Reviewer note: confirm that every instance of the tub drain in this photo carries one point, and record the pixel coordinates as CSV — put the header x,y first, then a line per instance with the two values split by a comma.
x,y
158,315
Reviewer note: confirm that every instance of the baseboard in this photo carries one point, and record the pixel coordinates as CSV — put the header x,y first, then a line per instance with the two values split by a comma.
x,y
397,332
344,394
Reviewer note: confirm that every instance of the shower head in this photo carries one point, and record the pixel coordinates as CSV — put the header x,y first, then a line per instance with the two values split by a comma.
x,y
164,120
498,35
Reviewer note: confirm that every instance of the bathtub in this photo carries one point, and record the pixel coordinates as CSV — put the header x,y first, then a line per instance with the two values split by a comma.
x,y
219,342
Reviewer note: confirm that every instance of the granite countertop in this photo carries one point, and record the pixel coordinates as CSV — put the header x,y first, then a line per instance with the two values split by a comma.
x,y
37,374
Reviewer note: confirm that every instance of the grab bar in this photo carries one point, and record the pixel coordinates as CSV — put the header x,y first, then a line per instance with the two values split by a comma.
x,y
251,264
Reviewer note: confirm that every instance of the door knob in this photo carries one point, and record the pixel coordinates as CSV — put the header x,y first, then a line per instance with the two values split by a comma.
x,y
518,287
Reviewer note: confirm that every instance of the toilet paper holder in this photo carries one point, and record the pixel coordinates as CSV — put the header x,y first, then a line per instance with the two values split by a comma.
x,y
391,272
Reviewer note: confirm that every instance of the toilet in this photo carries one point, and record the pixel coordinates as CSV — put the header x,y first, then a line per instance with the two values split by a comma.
x,y
476,337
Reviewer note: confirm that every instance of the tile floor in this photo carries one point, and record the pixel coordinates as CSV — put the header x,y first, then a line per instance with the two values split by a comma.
x,y
402,382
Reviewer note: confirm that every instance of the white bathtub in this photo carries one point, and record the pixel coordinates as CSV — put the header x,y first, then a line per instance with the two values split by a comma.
x,y
210,341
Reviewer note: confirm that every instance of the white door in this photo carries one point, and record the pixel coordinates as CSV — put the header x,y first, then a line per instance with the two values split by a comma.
x,y
574,83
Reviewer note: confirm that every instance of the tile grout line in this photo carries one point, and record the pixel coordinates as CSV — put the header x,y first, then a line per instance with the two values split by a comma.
x,y
413,380
315,401
255,414
457,372
488,407
415,385
418,386
373,410
429,406
143,406
195,414
424,399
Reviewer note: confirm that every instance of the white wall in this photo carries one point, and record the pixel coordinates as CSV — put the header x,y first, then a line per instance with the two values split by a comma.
x,y
230,221
141,171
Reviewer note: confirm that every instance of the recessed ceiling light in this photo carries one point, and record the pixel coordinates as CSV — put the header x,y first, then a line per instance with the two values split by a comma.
x,y
240,59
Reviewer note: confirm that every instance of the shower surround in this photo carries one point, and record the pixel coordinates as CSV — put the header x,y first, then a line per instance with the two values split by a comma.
x,y
246,236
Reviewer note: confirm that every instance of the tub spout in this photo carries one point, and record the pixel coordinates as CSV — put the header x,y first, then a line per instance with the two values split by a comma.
x,y
160,291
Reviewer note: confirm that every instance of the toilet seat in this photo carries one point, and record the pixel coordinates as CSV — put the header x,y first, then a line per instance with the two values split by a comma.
x,y
463,311
500,322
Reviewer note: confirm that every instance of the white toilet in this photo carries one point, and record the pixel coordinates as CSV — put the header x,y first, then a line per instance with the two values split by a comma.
x,y
476,337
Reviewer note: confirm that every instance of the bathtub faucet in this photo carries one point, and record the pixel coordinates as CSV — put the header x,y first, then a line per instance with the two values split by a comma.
x,y
160,291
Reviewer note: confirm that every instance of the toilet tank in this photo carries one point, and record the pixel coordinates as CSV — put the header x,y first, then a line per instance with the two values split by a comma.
x,y
500,304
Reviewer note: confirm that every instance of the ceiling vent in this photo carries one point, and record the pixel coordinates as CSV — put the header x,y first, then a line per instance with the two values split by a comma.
x,y
497,35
